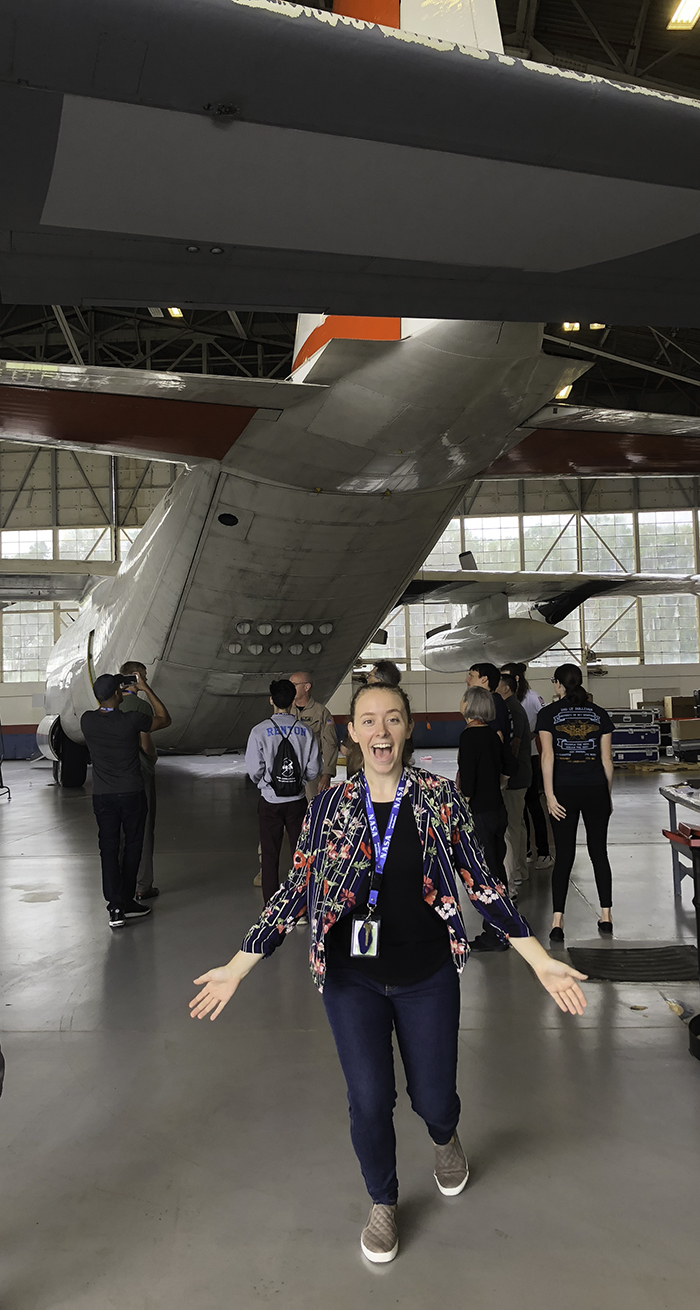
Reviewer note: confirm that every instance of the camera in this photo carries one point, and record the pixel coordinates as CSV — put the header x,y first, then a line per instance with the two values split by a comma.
x,y
128,679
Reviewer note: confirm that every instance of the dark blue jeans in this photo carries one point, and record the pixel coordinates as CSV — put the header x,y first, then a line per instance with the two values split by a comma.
x,y
362,1015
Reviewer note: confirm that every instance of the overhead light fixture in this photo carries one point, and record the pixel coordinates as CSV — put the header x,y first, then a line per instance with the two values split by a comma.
x,y
564,393
597,327
155,312
685,16
571,327
174,312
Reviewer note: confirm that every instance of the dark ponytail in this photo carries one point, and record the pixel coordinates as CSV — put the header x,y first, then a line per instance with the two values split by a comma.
x,y
519,670
571,679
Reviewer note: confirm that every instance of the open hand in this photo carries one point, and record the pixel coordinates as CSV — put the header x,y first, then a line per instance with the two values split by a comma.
x,y
220,984
556,810
561,981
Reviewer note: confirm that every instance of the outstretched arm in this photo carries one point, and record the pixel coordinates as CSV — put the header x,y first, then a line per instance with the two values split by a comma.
x,y
489,897
557,978
220,984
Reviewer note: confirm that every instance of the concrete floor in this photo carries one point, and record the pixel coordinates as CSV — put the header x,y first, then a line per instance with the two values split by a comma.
x,y
148,1162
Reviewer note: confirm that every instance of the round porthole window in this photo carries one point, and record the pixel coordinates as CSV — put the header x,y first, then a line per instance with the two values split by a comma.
x,y
285,629
228,520
235,648
306,629
276,649
325,628
315,648
296,648
256,648
264,629
243,628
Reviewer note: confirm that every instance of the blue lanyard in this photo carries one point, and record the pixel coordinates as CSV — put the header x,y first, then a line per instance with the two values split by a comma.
x,y
381,848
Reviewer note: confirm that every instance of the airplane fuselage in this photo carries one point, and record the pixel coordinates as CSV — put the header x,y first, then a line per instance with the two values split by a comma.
x,y
327,513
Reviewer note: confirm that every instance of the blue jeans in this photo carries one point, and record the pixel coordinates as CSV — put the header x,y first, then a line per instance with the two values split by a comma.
x,y
362,1015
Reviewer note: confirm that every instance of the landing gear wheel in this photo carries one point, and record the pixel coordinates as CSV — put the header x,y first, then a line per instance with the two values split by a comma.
x,y
71,768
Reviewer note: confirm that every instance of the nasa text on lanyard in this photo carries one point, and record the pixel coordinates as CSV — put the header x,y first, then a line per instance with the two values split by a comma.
x,y
365,930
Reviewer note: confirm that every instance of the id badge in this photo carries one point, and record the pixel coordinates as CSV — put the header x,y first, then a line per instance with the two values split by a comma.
x,y
365,938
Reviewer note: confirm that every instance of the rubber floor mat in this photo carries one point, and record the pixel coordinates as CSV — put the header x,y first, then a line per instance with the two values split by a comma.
x,y
645,964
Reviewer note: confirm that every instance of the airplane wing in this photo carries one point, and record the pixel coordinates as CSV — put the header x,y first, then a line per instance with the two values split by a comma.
x,y
135,411
37,579
618,442
554,595
164,152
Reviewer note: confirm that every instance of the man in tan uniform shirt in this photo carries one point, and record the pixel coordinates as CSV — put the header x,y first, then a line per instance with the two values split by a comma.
x,y
320,720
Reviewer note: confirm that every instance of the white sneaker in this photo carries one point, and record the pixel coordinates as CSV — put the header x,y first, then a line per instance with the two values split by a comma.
x,y
544,862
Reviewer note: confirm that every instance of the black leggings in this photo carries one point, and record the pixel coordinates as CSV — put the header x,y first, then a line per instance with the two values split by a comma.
x,y
593,803
533,807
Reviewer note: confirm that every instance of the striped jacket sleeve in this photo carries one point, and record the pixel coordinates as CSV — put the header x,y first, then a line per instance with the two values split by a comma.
x,y
487,894
288,903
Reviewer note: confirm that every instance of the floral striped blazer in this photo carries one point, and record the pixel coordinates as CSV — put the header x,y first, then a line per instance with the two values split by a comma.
x,y
334,856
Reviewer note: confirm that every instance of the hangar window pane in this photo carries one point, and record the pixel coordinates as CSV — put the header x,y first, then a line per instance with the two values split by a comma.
x,y
27,638
84,543
550,542
670,629
127,537
495,542
666,541
607,543
34,543
445,555
611,626
395,648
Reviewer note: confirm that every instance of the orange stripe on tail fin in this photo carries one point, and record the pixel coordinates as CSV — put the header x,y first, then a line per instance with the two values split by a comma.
x,y
315,331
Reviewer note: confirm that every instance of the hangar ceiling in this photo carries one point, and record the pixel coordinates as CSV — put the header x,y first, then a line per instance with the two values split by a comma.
x,y
626,39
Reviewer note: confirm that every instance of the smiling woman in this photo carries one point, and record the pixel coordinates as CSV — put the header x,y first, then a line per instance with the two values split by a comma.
x,y
378,867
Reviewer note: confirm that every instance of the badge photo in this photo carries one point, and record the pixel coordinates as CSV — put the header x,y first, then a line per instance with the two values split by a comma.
x,y
365,938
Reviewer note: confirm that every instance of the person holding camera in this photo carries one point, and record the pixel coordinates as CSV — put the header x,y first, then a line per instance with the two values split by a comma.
x,y
118,794
148,758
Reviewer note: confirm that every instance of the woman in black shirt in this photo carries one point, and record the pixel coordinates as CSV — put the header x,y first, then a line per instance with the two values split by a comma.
x,y
481,765
577,769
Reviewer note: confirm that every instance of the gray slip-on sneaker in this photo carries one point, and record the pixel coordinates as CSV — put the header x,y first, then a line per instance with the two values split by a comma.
x,y
380,1237
451,1168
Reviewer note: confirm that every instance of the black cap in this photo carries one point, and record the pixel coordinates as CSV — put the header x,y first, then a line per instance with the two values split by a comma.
x,y
106,686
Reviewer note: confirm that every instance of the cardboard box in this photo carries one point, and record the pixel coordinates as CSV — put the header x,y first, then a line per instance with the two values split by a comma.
x,y
685,730
679,707
642,697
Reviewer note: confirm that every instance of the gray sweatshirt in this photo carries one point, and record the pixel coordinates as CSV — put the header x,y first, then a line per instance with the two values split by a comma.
x,y
262,747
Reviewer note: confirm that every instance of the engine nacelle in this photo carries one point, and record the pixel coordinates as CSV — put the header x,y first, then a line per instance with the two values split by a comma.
x,y
494,642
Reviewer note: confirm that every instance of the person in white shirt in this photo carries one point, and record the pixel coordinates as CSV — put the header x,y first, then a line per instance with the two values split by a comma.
x,y
532,704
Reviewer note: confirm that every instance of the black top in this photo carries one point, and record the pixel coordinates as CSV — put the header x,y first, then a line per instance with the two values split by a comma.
x,y
522,776
481,764
414,941
576,732
502,722
113,740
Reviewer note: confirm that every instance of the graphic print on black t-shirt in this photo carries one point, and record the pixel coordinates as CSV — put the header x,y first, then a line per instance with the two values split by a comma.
x,y
576,732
